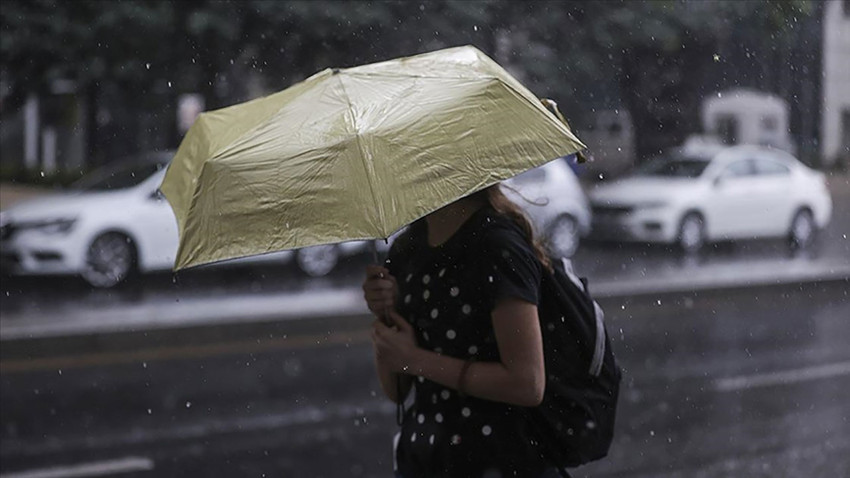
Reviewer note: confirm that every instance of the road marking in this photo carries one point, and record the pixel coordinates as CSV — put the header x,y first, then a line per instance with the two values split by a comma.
x,y
100,468
785,377
183,352
311,417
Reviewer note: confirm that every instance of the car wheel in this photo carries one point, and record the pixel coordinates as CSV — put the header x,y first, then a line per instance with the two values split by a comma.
x,y
564,236
317,261
802,232
110,260
691,233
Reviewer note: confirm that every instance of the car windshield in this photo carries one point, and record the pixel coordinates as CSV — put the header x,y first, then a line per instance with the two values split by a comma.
x,y
121,176
674,167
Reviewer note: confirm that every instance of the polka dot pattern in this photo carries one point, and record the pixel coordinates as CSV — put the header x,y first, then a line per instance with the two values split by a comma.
x,y
447,295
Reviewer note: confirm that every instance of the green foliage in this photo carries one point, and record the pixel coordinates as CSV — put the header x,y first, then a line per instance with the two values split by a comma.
x,y
586,54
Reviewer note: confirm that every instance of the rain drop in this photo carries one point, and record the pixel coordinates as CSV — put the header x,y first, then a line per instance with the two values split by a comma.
x,y
188,404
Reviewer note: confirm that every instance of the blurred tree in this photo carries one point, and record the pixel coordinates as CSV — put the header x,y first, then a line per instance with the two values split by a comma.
x,y
133,58
671,56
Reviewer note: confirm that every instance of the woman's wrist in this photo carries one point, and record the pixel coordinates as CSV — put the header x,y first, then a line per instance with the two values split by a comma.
x,y
416,360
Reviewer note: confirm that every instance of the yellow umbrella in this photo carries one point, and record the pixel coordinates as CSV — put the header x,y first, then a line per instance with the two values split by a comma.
x,y
354,153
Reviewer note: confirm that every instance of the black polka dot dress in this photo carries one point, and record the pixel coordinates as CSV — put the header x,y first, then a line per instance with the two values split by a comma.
x,y
447,293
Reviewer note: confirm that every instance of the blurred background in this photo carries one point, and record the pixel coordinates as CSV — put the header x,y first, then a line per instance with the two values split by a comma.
x,y
711,220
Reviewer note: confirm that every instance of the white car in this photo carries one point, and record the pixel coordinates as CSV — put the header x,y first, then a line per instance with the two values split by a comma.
x,y
550,195
553,199
110,224
690,198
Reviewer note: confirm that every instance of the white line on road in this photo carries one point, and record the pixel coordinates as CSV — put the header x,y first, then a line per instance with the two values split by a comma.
x,y
785,377
207,429
100,468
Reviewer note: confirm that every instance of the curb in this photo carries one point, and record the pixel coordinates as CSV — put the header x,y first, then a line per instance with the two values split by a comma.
x,y
322,316
195,314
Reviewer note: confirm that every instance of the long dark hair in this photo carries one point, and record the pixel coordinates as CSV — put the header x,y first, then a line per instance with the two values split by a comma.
x,y
502,205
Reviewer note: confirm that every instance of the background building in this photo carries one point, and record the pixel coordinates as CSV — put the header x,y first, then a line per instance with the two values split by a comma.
x,y
835,122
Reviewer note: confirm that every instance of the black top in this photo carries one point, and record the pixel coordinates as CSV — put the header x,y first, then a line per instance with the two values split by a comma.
x,y
447,293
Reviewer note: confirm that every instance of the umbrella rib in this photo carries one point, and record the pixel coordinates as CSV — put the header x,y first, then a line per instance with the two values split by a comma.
x,y
379,207
427,76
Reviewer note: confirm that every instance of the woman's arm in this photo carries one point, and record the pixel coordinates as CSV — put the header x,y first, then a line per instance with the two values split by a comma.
x,y
380,291
389,381
519,378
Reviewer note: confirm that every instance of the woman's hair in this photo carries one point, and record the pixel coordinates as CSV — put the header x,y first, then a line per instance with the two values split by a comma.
x,y
502,205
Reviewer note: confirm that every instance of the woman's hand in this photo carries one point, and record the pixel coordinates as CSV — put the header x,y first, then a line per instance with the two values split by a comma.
x,y
395,345
379,290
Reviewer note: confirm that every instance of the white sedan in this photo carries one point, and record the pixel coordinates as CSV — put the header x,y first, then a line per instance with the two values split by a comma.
x,y
728,193
553,199
109,225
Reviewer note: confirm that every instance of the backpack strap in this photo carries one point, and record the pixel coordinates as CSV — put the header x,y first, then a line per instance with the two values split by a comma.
x,y
599,345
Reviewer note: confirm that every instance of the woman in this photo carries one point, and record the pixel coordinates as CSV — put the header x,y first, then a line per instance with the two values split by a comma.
x,y
457,322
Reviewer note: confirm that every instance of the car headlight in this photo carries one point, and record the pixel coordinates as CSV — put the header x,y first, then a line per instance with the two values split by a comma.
x,y
55,226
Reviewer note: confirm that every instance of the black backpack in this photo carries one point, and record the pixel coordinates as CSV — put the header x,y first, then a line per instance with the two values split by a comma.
x,y
575,421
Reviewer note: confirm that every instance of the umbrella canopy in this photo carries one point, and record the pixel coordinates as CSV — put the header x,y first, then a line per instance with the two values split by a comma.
x,y
354,153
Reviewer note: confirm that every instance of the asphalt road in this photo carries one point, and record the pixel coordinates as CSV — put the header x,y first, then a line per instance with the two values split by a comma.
x,y
729,383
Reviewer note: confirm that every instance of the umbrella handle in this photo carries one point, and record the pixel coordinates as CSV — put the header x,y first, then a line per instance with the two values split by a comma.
x,y
386,317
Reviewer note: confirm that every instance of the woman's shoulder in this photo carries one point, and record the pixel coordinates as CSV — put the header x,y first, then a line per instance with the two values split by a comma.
x,y
500,230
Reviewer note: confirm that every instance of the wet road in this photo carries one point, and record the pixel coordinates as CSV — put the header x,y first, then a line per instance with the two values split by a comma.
x,y
24,297
748,383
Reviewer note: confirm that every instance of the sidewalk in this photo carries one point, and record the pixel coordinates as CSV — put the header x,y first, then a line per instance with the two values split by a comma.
x,y
249,309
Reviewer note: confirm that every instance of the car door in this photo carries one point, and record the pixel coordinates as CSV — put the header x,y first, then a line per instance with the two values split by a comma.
x,y
773,196
730,210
